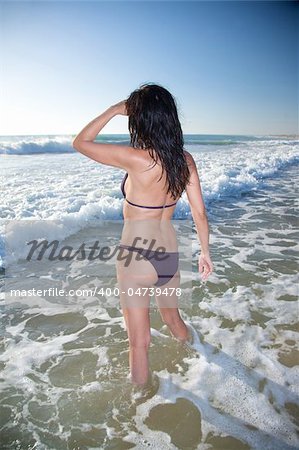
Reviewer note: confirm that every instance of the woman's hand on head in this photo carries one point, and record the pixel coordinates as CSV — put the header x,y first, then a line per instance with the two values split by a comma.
x,y
120,108
205,266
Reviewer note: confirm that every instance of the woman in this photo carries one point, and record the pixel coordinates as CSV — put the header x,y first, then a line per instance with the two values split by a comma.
x,y
158,170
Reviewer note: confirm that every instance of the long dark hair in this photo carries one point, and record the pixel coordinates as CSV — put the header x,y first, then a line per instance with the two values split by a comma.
x,y
154,125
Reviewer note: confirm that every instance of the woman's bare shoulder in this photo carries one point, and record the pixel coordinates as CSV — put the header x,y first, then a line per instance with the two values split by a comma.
x,y
189,159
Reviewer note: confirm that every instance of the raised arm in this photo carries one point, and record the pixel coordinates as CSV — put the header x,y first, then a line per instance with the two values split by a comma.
x,y
198,211
120,156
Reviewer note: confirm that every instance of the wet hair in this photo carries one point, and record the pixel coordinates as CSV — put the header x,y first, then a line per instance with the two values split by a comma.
x,y
154,125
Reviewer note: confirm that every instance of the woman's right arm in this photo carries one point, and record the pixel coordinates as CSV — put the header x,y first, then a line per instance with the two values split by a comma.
x,y
198,210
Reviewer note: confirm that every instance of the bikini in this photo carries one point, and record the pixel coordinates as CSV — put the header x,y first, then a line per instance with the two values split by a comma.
x,y
166,267
140,206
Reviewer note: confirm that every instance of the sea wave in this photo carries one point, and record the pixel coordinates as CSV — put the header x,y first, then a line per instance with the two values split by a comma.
x,y
218,184
77,191
28,145
63,144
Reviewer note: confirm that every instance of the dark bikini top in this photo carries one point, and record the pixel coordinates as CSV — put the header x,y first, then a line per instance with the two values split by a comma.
x,y
140,206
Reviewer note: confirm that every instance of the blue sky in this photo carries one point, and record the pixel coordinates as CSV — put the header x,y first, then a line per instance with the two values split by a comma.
x,y
232,66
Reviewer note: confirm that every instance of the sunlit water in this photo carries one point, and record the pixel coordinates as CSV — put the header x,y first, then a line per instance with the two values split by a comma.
x,y
64,367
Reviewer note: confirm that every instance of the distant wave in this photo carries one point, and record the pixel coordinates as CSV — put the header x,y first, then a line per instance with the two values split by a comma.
x,y
210,142
28,145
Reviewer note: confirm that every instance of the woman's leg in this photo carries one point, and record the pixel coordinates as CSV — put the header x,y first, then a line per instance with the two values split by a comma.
x,y
132,279
138,329
169,311
171,317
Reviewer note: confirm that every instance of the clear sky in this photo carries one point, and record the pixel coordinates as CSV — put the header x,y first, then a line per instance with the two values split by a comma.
x,y
232,66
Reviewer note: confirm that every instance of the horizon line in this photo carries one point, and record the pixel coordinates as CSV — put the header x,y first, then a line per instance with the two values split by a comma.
x,y
127,134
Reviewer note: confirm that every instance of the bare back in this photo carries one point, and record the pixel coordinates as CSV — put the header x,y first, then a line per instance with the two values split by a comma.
x,y
143,187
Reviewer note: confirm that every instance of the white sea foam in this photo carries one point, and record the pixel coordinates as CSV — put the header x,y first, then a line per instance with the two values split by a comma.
x,y
77,191
65,366
227,380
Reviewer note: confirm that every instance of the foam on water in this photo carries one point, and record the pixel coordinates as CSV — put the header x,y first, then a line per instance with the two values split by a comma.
x,y
76,190
64,368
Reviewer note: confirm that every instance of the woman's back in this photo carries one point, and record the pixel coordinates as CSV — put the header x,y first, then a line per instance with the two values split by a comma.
x,y
145,190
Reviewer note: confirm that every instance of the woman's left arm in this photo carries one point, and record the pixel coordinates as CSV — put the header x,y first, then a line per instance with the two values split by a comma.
x,y
112,155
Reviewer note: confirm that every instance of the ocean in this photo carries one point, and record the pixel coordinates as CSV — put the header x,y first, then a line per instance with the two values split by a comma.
x,y
64,365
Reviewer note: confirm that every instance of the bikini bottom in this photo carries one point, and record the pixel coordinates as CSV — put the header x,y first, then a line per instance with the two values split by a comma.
x,y
166,264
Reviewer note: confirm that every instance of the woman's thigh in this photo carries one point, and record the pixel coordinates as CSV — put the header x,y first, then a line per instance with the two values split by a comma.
x,y
134,280
168,295
137,325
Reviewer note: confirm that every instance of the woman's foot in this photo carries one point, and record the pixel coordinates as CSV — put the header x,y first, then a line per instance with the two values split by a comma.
x,y
147,389
190,339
